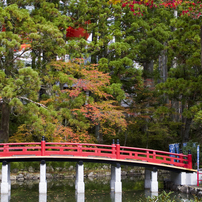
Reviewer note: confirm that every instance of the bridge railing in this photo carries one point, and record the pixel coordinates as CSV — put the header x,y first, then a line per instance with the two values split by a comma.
x,y
156,156
113,151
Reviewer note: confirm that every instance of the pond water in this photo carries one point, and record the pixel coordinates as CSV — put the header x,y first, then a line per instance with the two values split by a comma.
x,y
96,190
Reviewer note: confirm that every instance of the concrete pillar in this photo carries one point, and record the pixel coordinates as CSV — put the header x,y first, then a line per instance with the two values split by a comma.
x,y
147,181
5,197
191,178
43,182
42,197
116,197
80,197
9,179
117,181
79,182
179,178
112,182
154,181
5,182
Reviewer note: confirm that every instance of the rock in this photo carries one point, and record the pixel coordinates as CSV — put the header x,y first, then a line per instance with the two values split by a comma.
x,y
49,176
105,167
107,173
71,168
20,176
123,173
58,169
36,176
61,176
31,169
15,170
91,174
193,190
184,189
64,169
101,175
49,169
12,177
21,179
29,177
69,176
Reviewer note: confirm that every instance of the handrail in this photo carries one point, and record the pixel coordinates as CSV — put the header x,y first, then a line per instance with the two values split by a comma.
x,y
114,151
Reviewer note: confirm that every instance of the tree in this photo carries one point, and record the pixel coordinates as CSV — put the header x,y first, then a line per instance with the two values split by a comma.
x,y
17,89
80,98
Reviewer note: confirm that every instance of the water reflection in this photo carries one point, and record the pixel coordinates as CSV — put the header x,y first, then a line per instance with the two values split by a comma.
x,y
79,197
116,197
42,197
5,197
147,193
96,190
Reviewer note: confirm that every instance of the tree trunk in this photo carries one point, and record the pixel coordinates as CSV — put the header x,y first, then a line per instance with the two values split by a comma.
x,y
5,116
186,129
98,134
148,74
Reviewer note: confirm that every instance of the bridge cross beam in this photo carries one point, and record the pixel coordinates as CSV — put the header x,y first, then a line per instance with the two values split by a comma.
x,y
5,182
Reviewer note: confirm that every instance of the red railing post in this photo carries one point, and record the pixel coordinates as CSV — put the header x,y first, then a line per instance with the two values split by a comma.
x,y
43,144
117,149
189,160
80,150
6,148
113,147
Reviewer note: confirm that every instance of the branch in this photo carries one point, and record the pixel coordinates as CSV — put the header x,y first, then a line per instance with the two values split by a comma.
x,y
41,105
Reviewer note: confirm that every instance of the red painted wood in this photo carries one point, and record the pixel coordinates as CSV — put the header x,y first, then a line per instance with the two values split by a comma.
x,y
114,151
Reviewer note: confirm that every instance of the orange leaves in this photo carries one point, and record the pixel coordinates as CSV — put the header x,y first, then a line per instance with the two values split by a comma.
x,y
106,114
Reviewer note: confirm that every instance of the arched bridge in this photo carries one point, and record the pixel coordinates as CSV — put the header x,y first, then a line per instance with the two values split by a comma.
x,y
114,153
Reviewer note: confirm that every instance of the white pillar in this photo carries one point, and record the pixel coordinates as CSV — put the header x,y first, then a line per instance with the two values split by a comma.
x,y
43,182
191,179
116,197
112,182
80,197
9,179
42,197
147,181
117,182
5,182
5,197
79,183
179,178
154,181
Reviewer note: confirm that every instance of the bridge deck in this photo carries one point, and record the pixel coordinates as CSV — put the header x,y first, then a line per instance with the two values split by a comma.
x,y
23,158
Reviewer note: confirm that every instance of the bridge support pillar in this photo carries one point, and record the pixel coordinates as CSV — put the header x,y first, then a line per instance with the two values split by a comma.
x,y
115,183
154,181
5,182
147,181
192,178
178,178
151,180
43,182
79,182
184,178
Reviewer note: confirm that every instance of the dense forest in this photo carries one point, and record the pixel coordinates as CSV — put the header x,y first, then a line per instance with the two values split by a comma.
x,y
97,70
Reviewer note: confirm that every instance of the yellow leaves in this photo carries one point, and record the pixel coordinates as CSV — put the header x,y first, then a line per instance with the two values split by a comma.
x,y
114,1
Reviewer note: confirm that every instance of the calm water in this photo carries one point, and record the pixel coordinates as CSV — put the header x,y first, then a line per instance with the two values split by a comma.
x,y
96,190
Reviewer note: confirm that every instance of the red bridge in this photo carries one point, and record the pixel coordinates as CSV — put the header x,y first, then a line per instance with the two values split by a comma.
x,y
52,151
